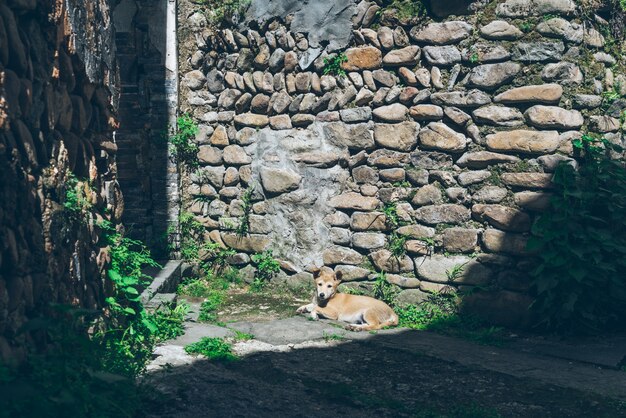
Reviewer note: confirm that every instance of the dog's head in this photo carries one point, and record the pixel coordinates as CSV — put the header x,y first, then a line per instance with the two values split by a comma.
x,y
326,282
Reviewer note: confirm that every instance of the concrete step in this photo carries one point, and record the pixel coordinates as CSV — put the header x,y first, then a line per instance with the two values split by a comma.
x,y
166,280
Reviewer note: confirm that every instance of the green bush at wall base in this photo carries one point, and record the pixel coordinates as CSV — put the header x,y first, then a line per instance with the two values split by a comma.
x,y
580,280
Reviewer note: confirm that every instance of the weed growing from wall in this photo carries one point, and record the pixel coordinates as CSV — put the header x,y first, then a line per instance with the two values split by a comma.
x,y
384,290
183,141
581,243
332,65
267,267
246,206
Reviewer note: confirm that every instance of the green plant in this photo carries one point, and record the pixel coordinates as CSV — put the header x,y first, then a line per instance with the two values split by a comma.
x,y
407,9
242,336
404,184
332,65
267,267
397,244
332,337
455,272
169,321
183,141
212,348
390,210
76,199
527,26
609,96
384,290
217,11
580,243
246,206
208,308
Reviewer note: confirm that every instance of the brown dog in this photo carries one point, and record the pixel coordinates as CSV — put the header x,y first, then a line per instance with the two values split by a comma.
x,y
362,313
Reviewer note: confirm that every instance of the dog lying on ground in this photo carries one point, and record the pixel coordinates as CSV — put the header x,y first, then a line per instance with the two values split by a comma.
x,y
362,313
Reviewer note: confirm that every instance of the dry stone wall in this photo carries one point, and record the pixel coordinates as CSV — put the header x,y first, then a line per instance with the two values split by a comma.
x,y
57,86
442,134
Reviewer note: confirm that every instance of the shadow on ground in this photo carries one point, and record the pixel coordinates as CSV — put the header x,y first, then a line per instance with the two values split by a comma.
x,y
382,375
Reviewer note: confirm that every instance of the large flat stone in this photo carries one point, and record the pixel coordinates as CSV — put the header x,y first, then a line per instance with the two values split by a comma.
x,y
401,137
544,93
526,141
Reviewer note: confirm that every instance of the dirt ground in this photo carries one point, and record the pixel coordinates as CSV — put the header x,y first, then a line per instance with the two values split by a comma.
x,y
359,379
337,375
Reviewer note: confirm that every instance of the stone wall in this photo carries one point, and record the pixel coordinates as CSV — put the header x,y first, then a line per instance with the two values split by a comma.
x,y
452,126
58,81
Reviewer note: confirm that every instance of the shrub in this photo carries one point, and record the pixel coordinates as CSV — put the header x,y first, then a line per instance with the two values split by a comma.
x,y
267,268
183,141
580,284
212,348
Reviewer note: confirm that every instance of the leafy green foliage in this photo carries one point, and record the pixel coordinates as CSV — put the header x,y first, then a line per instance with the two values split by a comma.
x,y
267,267
183,141
208,309
244,221
217,11
390,210
396,244
332,65
455,272
242,336
579,282
407,9
212,348
384,290
76,200
169,321
440,313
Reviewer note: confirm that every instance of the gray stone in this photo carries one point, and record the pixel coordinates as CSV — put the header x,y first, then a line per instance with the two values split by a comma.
x,y
195,79
447,213
368,240
522,8
498,116
426,112
427,195
279,180
467,178
439,136
354,201
490,194
352,273
236,155
387,158
565,73
505,242
350,136
528,180
499,30
526,141
554,117
410,297
215,81
483,159
341,255
363,58
384,260
460,240
472,98
252,120
384,78
340,236
401,137
442,33
538,51
491,76
502,217
392,113
442,55
546,93
373,221
534,201
405,56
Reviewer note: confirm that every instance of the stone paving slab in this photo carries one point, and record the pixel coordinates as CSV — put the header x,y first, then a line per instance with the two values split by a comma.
x,y
194,332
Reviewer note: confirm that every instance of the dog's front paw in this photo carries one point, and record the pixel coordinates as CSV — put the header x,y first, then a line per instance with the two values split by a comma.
x,y
354,327
305,308
314,316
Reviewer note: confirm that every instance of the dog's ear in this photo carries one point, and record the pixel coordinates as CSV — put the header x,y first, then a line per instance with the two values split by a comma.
x,y
338,276
316,273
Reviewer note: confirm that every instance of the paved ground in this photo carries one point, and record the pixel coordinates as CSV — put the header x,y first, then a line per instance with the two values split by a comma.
x,y
300,368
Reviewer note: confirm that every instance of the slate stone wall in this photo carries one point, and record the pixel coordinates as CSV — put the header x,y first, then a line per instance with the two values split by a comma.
x,y
58,82
453,123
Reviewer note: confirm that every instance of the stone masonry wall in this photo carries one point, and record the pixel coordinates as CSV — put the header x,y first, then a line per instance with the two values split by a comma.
x,y
57,86
456,122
